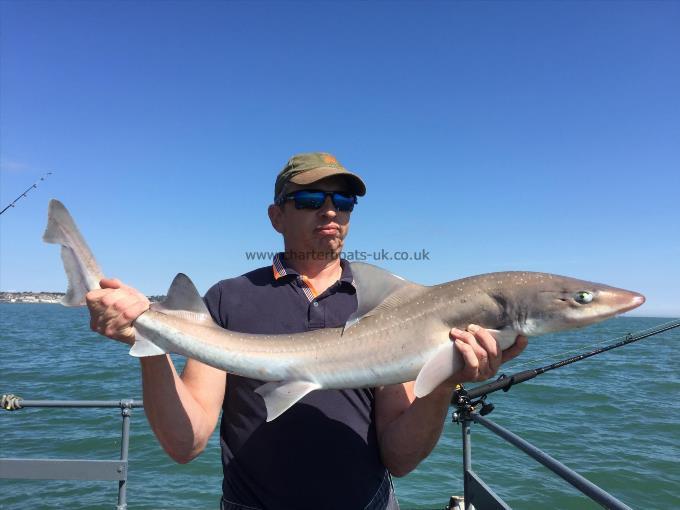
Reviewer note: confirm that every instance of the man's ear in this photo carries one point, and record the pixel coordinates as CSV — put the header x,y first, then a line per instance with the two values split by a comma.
x,y
276,217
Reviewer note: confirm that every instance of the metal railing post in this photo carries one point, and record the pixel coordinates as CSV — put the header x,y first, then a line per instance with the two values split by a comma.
x,y
467,462
125,411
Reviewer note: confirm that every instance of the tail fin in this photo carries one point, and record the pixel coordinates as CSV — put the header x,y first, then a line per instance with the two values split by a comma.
x,y
81,268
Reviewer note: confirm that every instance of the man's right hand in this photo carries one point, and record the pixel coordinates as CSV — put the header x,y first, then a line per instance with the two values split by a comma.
x,y
114,308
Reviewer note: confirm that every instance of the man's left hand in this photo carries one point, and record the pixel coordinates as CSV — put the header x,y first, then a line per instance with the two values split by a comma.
x,y
481,354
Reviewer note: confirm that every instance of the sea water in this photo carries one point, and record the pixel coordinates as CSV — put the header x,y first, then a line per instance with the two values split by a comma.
x,y
613,418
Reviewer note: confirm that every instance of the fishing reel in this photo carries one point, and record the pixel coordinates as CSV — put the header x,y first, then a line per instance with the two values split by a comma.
x,y
465,405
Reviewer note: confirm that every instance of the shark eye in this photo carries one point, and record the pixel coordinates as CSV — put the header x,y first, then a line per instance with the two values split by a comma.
x,y
583,297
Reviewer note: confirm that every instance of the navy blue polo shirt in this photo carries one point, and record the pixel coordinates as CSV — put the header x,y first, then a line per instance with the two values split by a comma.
x,y
322,452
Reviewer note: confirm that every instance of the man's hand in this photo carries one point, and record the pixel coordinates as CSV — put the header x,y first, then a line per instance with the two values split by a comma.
x,y
114,308
481,354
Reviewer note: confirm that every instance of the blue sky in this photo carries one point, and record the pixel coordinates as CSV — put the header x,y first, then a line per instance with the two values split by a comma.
x,y
495,135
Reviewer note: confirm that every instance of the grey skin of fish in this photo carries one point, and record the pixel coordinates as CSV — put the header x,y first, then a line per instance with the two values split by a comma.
x,y
399,332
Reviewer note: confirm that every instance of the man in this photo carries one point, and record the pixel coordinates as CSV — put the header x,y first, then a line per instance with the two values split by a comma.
x,y
334,448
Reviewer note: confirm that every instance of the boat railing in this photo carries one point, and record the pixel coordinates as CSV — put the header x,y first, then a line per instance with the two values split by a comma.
x,y
478,495
74,469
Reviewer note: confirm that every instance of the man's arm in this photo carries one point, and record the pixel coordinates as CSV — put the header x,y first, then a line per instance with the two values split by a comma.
x,y
408,428
182,410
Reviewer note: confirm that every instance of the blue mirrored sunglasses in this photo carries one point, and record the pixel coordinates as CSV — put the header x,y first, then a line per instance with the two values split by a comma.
x,y
314,199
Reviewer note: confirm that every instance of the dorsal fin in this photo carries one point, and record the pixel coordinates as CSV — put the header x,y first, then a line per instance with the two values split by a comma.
x,y
183,300
378,290
397,297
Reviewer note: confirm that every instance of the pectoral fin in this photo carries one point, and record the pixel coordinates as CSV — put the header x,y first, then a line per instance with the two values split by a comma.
x,y
446,362
505,337
280,396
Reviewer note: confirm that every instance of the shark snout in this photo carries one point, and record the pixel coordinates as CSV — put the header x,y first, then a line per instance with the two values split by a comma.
x,y
634,300
621,301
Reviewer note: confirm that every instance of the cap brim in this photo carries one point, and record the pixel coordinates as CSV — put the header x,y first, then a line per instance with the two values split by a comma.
x,y
311,176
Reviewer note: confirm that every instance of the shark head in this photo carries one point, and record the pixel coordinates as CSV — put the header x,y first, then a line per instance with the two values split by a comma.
x,y
549,303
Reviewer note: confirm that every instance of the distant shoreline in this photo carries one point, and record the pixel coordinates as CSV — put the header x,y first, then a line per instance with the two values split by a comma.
x,y
31,297
44,297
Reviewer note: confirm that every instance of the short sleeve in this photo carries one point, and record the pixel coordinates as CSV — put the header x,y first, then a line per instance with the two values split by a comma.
x,y
213,301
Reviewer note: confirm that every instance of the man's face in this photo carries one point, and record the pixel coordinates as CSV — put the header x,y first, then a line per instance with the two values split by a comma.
x,y
320,230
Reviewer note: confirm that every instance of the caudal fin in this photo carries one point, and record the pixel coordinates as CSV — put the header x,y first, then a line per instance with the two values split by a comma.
x,y
81,268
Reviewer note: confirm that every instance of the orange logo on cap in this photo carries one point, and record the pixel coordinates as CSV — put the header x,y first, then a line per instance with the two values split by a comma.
x,y
330,159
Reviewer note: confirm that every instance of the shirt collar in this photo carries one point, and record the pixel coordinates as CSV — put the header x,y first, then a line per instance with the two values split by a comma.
x,y
281,269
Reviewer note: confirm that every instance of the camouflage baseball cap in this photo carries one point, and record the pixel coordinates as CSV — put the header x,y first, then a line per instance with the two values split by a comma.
x,y
310,167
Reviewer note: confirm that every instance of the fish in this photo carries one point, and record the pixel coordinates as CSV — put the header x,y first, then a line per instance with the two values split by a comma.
x,y
399,332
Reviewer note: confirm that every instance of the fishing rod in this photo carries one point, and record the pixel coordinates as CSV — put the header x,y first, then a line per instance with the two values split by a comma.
x,y
465,401
29,189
